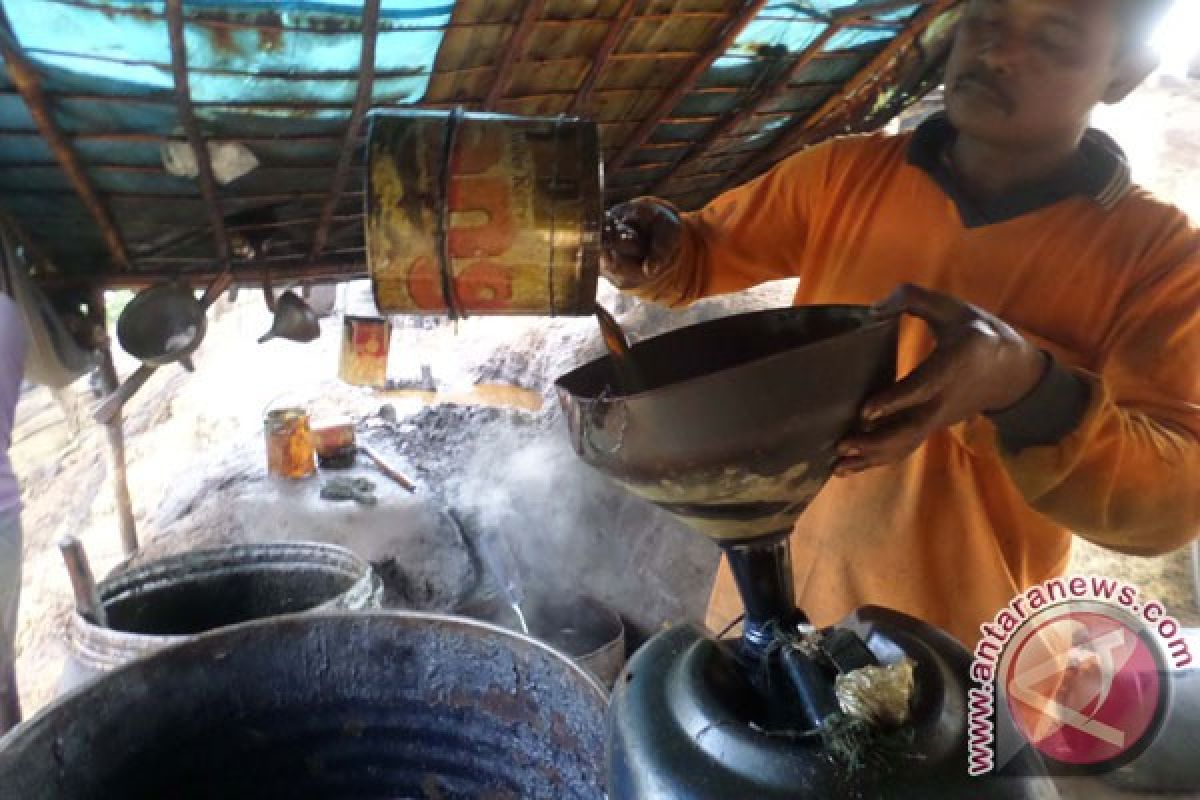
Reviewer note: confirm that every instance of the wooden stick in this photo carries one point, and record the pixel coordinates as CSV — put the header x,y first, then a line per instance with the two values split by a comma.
x,y
87,598
388,470
114,428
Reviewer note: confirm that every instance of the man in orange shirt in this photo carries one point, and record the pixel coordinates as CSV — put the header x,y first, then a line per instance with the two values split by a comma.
x,y
1052,349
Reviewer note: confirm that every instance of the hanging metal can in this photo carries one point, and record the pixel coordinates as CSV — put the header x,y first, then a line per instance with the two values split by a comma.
x,y
364,358
483,213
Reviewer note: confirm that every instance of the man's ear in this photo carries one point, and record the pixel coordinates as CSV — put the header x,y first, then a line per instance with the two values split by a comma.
x,y
1132,69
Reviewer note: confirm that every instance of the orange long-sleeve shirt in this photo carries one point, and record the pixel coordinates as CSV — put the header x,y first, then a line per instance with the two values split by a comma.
x,y
1104,277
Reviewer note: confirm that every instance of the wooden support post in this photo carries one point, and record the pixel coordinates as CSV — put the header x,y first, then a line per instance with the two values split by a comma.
x,y
114,429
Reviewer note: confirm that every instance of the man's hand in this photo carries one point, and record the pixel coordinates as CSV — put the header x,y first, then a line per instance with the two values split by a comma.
x,y
980,364
640,240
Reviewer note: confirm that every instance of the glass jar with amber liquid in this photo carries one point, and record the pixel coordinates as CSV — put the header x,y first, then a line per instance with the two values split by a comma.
x,y
290,449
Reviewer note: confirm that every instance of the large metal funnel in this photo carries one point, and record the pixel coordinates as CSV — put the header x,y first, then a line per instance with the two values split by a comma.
x,y
736,430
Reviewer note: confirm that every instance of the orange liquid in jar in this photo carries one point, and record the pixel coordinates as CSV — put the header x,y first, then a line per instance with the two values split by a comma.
x,y
290,449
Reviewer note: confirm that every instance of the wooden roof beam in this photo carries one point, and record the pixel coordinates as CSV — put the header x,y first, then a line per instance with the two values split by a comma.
x,y
191,128
250,275
362,100
612,38
516,48
752,105
670,98
29,84
261,25
800,135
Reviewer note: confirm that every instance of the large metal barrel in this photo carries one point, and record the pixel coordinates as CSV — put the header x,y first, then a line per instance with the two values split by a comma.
x,y
483,213
368,705
170,600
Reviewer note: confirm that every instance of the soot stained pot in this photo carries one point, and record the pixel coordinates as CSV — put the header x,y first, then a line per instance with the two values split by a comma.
x,y
585,629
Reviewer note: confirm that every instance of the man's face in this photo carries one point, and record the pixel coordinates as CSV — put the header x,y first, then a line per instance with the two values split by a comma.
x,y
1027,72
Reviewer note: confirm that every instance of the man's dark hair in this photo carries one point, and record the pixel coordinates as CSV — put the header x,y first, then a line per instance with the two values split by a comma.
x,y
1139,18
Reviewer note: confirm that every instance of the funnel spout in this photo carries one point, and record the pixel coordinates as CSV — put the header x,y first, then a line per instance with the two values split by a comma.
x,y
762,569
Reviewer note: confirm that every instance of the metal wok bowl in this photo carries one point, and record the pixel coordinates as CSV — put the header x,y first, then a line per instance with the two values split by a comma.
x,y
162,324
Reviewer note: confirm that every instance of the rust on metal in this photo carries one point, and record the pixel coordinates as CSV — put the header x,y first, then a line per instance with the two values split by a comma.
x,y
616,29
362,99
29,85
799,136
671,97
483,214
191,128
514,50
516,707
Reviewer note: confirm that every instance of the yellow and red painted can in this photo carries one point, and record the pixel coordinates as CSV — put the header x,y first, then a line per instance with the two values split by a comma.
x,y
364,357
483,213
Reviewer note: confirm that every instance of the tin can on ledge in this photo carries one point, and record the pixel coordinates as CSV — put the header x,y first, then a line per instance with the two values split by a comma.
x,y
483,213
290,451
364,358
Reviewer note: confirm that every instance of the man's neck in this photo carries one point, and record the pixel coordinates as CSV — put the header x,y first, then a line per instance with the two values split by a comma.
x,y
988,170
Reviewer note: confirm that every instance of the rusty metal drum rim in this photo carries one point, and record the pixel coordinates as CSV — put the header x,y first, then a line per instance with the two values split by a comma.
x,y
581,674
97,648
514,714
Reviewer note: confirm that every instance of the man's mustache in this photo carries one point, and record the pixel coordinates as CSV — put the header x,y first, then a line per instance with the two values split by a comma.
x,y
989,81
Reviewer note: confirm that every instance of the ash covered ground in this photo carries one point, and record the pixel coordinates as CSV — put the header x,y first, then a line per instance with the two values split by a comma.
x,y
197,471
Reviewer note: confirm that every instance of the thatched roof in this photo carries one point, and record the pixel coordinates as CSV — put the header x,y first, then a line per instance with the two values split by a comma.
x,y
692,96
